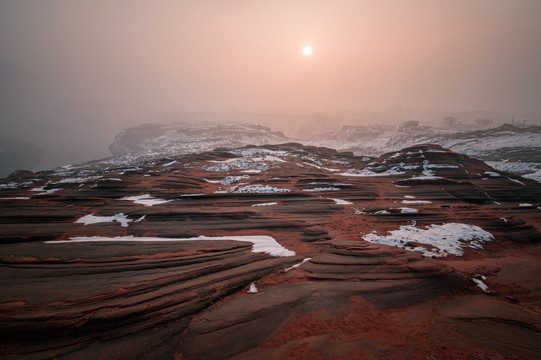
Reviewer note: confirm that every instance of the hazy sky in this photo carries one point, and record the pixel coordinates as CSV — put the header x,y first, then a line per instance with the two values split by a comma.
x,y
85,68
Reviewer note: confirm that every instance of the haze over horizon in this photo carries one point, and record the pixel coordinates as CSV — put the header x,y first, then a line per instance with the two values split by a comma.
x,y
73,73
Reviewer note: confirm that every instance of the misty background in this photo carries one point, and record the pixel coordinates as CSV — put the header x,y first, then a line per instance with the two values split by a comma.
x,y
73,73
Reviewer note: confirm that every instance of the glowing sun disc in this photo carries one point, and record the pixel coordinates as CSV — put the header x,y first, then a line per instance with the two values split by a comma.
x,y
307,50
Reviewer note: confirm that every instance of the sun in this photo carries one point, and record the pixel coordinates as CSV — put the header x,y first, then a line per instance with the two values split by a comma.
x,y
307,50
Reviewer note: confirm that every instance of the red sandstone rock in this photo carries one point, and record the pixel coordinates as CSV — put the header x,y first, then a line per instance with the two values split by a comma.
x,y
189,300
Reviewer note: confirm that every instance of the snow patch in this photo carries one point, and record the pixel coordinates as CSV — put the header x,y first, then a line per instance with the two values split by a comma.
x,y
140,219
408,210
254,189
266,204
92,219
230,180
145,199
329,188
480,283
435,151
76,180
517,181
296,265
342,202
260,243
416,202
369,173
11,185
446,239
423,178
441,166
252,289
534,176
45,192
169,163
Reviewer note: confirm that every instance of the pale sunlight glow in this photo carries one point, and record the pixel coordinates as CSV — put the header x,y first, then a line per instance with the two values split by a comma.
x,y
307,50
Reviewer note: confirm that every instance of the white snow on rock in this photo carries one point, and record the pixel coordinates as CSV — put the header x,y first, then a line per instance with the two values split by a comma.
x,y
169,163
230,180
342,202
382,212
440,166
409,196
426,168
480,283
93,219
443,240
416,202
11,185
329,188
525,205
145,199
266,204
517,181
252,289
259,151
140,219
369,173
248,162
296,265
16,198
534,176
45,192
491,174
76,180
256,189
423,178
408,210
252,171
260,243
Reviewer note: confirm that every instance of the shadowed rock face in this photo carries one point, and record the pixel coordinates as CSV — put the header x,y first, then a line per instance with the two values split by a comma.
x,y
68,295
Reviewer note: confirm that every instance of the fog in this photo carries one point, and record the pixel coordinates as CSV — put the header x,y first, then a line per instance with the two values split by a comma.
x,y
73,73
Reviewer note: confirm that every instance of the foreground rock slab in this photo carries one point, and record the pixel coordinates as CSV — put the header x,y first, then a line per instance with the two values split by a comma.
x,y
154,260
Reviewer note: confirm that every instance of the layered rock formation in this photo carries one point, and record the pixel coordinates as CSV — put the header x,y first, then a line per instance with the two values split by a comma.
x,y
273,252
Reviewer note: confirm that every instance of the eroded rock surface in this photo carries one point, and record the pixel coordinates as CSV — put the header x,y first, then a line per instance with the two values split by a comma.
x,y
105,260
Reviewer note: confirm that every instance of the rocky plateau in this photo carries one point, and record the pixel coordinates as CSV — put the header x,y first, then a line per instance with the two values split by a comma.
x,y
281,251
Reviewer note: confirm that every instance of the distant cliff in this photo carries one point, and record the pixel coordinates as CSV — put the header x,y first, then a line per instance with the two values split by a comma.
x,y
192,137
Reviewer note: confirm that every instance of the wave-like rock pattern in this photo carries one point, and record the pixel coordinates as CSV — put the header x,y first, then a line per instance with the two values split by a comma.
x,y
190,300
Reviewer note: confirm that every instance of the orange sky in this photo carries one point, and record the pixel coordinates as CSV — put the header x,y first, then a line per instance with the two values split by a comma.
x,y
220,55
65,63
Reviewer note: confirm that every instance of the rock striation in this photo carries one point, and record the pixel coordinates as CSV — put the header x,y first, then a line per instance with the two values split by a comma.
x,y
263,252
